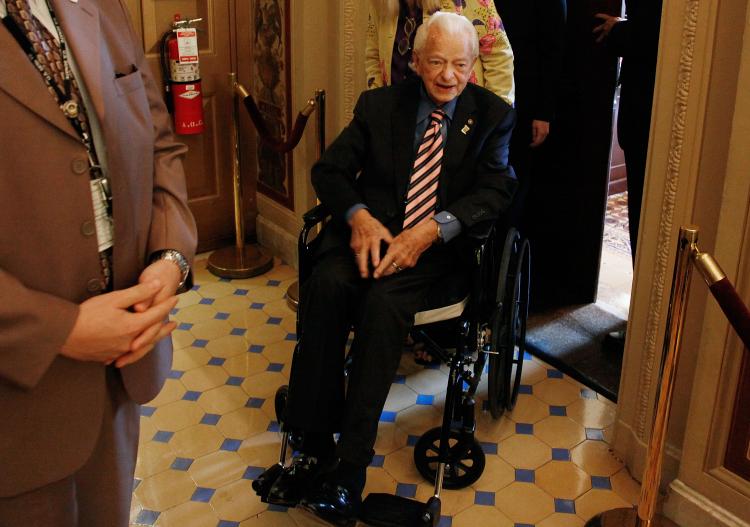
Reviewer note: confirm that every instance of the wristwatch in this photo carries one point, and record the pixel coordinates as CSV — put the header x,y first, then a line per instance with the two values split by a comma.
x,y
175,256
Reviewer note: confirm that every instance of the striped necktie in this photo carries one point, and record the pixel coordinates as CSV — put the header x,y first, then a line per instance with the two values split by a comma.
x,y
421,196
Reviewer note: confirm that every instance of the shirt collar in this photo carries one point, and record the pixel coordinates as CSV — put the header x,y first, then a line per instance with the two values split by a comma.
x,y
427,106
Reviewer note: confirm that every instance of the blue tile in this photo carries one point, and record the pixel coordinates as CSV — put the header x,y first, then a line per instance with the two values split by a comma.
x,y
184,326
426,400
526,355
147,411
253,472
565,506
489,448
411,440
522,525
445,521
484,498
554,374
558,410
147,517
200,343
291,337
210,419
377,461
588,394
561,454
191,395
256,305
240,292
216,361
524,475
227,523
526,389
406,490
238,332
273,283
274,321
225,280
275,366
181,463
174,311
601,482
277,508
525,428
175,374
231,445
254,402
162,436
273,426
235,381
195,287
255,348
136,482
206,301
202,494
399,379
594,434
388,417
221,316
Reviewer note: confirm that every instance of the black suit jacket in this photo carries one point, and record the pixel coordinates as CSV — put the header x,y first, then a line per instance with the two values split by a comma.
x,y
536,31
370,162
636,40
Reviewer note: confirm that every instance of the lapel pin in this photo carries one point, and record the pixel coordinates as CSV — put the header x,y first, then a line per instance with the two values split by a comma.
x,y
465,129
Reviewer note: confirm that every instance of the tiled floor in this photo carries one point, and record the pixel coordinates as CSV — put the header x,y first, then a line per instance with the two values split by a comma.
x,y
616,269
212,428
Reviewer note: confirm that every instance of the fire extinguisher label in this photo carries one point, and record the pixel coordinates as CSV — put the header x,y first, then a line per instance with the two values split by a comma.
x,y
187,45
192,94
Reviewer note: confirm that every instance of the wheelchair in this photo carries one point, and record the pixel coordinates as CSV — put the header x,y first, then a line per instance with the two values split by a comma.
x,y
489,308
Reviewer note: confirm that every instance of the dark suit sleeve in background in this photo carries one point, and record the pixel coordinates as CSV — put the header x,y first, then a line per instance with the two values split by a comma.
x,y
551,46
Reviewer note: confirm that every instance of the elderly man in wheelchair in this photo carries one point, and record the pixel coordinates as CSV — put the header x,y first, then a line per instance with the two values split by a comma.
x,y
414,186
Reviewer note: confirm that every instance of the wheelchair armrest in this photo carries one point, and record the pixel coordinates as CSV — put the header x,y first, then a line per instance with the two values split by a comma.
x,y
315,215
480,232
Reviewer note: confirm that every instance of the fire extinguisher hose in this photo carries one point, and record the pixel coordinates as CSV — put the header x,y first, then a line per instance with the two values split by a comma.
x,y
164,62
274,144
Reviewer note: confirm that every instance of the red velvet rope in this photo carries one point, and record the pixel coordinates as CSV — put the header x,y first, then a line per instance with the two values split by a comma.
x,y
260,125
734,308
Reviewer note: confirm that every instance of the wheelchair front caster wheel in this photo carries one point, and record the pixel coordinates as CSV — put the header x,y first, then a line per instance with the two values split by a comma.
x,y
279,402
463,466
263,483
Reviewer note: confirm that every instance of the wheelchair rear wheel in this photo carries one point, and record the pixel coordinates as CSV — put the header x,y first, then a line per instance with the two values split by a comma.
x,y
508,324
465,462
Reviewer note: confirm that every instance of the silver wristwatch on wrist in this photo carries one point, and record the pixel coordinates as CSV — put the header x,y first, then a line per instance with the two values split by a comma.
x,y
176,256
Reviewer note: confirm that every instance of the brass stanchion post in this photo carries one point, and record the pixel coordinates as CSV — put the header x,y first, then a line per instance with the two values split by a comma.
x,y
239,261
292,292
645,514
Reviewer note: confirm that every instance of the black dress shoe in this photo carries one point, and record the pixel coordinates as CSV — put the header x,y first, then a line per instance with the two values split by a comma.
x,y
333,503
294,480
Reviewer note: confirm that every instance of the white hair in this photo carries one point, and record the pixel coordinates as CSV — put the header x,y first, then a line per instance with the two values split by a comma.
x,y
449,24
392,8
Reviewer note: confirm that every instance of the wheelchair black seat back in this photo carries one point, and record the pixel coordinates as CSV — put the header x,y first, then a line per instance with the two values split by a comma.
x,y
489,309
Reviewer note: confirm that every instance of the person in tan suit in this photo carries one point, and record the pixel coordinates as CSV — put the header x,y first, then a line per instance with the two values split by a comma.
x,y
96,238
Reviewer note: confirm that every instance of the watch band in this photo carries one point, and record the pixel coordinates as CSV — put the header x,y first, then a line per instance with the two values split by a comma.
x,y
177,257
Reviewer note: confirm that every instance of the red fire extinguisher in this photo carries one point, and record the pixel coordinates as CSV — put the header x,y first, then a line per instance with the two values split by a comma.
x,y
182,76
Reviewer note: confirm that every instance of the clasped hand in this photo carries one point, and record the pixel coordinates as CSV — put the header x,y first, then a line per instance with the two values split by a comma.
x,y
403,251
123,326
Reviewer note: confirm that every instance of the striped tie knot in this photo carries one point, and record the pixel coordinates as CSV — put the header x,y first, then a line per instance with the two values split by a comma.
x,y
437,115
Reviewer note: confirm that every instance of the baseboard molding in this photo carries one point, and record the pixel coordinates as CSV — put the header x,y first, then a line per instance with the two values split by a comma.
x,y
281,244
632,451
689,508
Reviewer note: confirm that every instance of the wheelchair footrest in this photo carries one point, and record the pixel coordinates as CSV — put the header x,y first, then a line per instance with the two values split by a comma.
x,y
263,483
387,510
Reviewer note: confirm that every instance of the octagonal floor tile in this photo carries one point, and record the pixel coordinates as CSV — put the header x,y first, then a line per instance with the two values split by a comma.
x,y
562,479
204,378
190,358
529,409
165,490
177,415
596,501
592,413
217,469
153,457
497,474
481,515
188,514
223,399
196,441
561,520
211,329
524,503
237,501
226,347
556,392
525,451
560,432
245,364
595,458
172,391
243,423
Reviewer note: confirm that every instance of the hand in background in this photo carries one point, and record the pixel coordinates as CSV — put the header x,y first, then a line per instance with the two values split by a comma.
x,y
539,132
608,22
406,248
107,330
367,236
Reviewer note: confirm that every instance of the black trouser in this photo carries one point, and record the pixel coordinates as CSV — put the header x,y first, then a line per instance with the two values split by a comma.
x,y
333,299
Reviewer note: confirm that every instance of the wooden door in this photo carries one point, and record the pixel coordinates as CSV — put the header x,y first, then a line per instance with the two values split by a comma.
x,y
208,165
